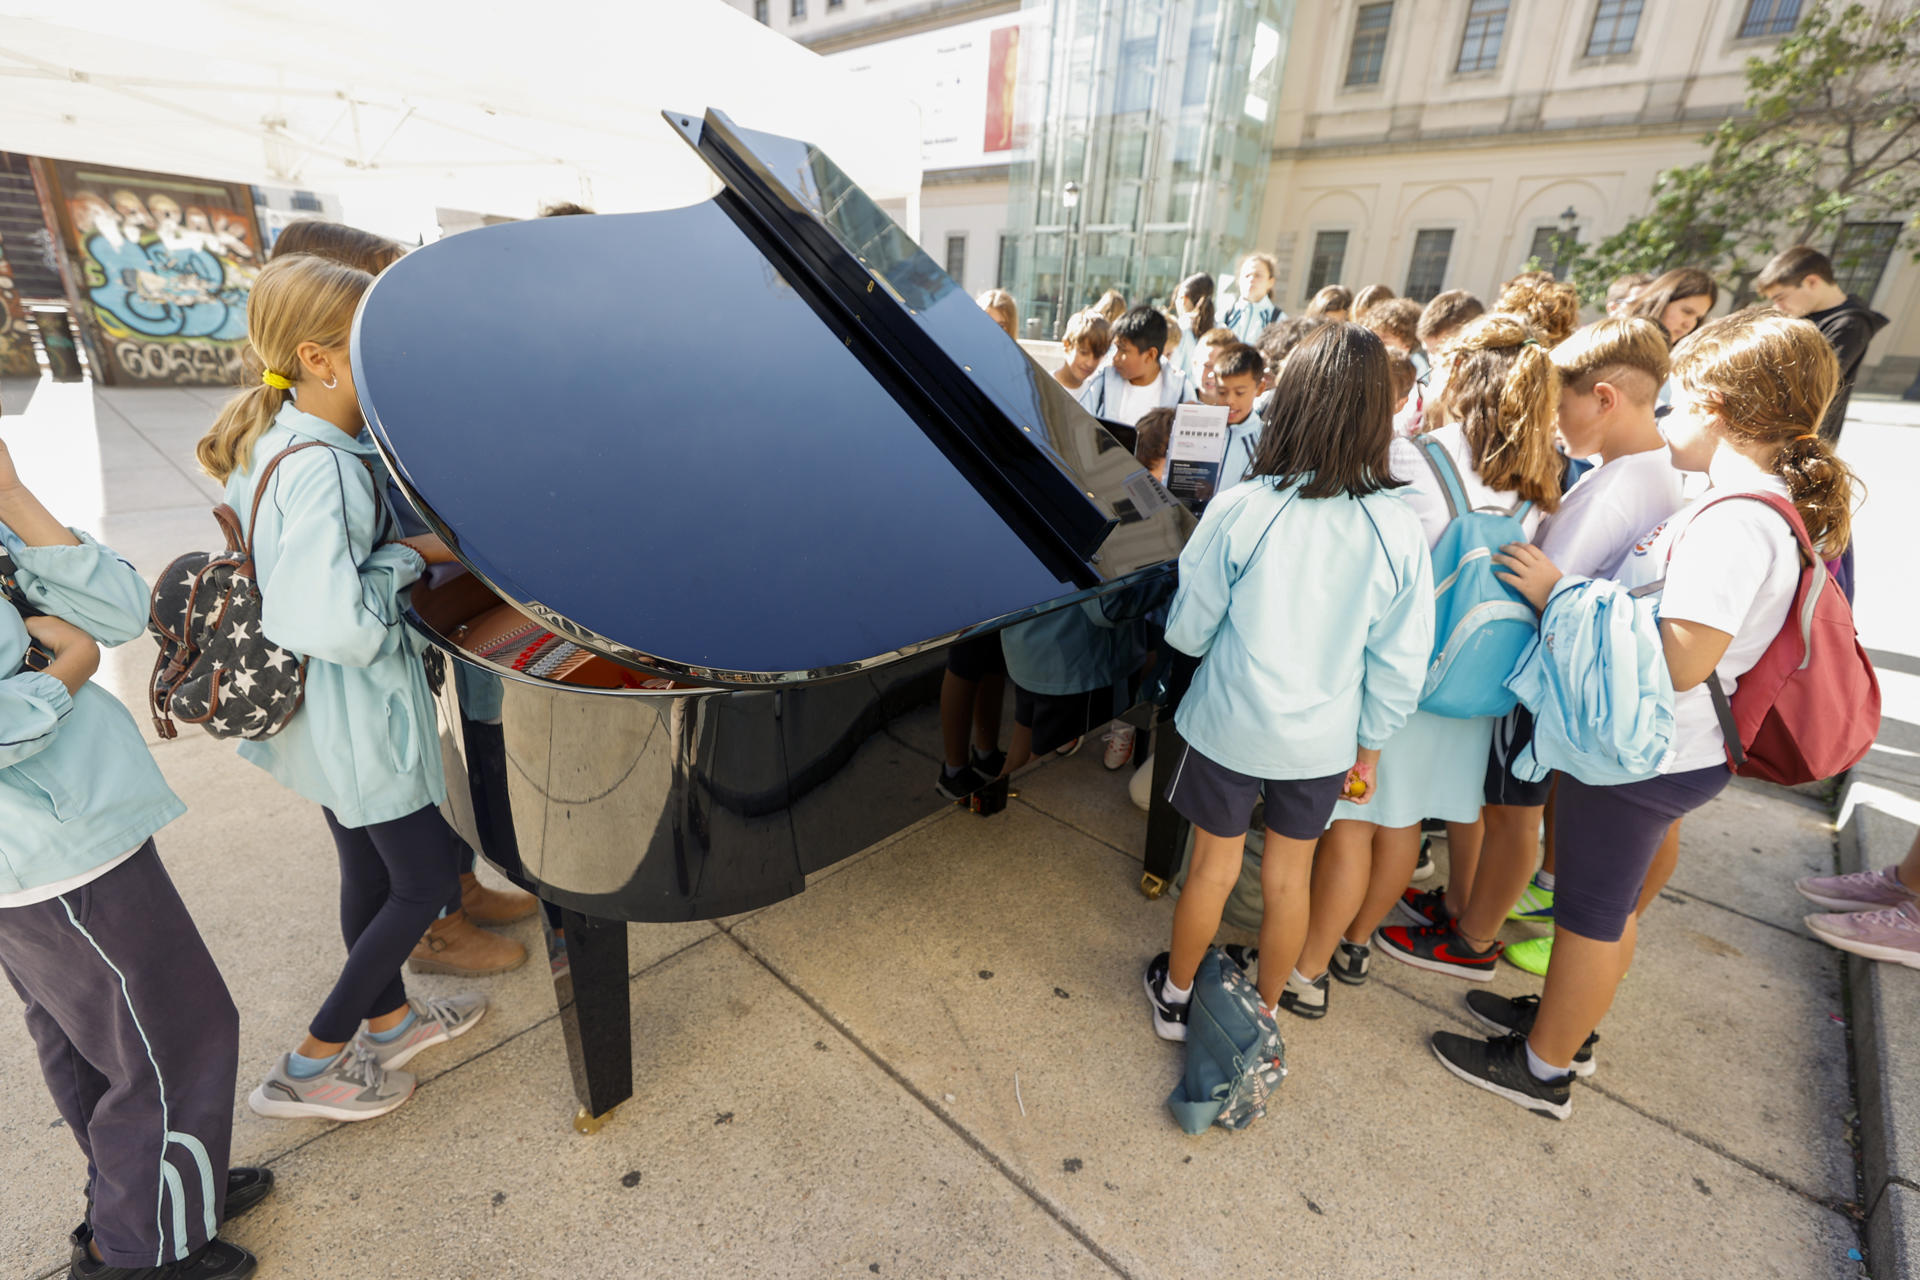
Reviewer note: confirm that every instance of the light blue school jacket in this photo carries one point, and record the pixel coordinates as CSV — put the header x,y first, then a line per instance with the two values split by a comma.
x,y
1248,319
77,785
1100,395
1314,618
364,742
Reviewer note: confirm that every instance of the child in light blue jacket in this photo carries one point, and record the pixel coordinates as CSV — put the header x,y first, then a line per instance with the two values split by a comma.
x,y
136,1034
364,743
1308,594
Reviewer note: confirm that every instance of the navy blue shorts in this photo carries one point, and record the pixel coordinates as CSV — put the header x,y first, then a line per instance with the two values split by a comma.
x,y
1604,840
977,658
1220,802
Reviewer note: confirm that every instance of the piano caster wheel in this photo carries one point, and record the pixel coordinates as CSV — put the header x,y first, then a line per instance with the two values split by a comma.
x,y
1152,885
584,1121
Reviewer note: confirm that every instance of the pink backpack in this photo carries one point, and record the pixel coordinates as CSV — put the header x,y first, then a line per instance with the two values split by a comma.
x,y
1810,707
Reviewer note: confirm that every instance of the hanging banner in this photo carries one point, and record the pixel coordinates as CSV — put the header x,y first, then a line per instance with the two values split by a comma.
x,y
965,79
165,265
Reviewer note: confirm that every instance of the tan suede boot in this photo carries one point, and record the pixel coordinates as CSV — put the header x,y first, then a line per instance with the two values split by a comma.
x,y
486,906
456,945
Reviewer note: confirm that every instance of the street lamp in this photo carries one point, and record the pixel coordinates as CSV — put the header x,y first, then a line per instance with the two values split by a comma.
x,y
1564,244
1069,200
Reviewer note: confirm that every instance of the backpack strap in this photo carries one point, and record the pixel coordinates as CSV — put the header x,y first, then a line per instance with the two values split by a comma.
x,y
260,492
1452,488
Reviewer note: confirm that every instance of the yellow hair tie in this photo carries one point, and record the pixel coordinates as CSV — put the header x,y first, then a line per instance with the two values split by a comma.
x,y
280,380
1809,435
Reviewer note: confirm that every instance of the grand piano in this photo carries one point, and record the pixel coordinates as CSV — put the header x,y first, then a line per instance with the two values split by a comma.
x,y
724,483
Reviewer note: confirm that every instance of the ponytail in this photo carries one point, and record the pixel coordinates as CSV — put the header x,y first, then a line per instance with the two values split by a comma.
x,y
1504,390
296,299
1770,379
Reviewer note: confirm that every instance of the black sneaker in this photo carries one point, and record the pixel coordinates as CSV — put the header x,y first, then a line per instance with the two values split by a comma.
x,y
1244,956
1423,869
247,1186
1499,1065
1424,907
216,1260
1433,826
1309,1001
1514,1015
988,764
958,786
1351,961
1169,1020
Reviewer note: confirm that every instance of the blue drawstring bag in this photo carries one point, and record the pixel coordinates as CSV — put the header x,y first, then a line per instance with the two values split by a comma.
x,y
1234,1056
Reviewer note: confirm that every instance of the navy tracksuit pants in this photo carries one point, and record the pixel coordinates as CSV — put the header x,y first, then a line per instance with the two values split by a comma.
x,y
139,1042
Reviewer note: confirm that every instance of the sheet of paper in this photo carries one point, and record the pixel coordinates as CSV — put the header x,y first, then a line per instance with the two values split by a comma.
x,y
1195,451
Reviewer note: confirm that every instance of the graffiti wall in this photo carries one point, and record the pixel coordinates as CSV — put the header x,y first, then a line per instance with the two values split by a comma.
x,y
165,265
16,333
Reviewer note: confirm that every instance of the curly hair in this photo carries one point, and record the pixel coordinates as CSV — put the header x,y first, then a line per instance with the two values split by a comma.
x,y
1504,390
1551,306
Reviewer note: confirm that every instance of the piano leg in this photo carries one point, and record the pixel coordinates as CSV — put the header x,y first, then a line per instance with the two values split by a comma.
x,y
596,1015
1166,829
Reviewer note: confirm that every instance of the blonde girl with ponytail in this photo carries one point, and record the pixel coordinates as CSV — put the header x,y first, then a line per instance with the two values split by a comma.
x,y
1751,390
1500,404
333,582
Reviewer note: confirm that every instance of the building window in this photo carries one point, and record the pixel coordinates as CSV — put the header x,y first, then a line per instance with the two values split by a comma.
x,y
1615,23
1369,48
1006,263
834,4
1329,259
1480,41
305,202
1547,242
957,259
760,11
1427,273
797,9
1770,17
1861,254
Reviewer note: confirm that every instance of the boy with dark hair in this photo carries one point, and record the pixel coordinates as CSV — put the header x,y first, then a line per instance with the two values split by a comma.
x,y
1799,281
1238,372
1445,316
1152,434
1138,378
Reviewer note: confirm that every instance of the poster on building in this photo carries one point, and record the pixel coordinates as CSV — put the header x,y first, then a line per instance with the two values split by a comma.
x,y
164,265
965,78
16,331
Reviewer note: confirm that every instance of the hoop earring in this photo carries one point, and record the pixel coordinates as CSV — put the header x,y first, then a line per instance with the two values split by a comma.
x,y
332,382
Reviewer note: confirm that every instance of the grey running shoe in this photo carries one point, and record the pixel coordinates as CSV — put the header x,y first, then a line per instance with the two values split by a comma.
x,y
355,1087
1861,891
435,1021
1893,935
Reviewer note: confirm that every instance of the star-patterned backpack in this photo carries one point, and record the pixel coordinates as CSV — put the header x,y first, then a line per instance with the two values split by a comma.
x,y
216,668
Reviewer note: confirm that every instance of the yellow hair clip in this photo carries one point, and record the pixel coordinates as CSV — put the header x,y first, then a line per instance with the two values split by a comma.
x,y
280,380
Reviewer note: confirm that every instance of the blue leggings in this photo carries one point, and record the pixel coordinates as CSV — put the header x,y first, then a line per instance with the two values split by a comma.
x,y
395,879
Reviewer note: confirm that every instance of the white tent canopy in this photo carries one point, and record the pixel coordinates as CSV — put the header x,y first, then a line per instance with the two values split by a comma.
x,y
401,106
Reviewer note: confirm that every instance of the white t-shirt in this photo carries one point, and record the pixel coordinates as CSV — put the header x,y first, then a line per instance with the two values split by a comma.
x,y
1408,461
1608,509
1136,402
1736,570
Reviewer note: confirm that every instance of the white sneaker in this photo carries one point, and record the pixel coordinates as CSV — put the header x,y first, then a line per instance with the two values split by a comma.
x,y
355,1087
1140,789
1119,742
435,1021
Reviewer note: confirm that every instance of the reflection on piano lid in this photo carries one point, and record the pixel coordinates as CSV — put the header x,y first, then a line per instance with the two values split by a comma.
x,y
756,440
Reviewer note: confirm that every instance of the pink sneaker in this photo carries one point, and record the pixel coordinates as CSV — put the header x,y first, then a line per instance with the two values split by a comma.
x,y
1861,891
1892,935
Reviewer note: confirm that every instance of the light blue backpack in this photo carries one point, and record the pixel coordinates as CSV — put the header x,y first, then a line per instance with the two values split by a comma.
x,y
1481,626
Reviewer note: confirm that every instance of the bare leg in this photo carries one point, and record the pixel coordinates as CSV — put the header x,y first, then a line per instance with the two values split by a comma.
x,y
1196,917
1506,863
956,716
1463,862
1909,869
1342,869
311,1048
1546,851
1020,752
1395,850
987,707
1285,869
1581,982
1661,869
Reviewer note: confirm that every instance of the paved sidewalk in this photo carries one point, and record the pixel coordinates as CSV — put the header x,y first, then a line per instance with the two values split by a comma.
x,y
937,1062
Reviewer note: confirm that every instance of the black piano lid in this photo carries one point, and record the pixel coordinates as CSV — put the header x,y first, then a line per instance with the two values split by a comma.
x,y
710,442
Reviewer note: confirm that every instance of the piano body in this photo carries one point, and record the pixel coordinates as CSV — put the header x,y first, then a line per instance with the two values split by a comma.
x,y
725,482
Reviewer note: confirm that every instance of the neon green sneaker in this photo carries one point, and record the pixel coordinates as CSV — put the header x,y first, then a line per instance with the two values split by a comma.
x,y
1531,955
1535,905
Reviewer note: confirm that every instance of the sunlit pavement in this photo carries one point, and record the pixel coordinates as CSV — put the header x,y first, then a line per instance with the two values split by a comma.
x,y
828,1086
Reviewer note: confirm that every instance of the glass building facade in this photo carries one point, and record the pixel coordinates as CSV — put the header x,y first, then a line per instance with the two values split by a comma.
x,y
1146,157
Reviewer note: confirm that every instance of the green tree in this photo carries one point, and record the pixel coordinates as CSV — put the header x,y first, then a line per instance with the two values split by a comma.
x,y
1830,134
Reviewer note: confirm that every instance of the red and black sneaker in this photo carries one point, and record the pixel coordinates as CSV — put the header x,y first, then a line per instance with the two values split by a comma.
x,y
1439,948
1424,907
